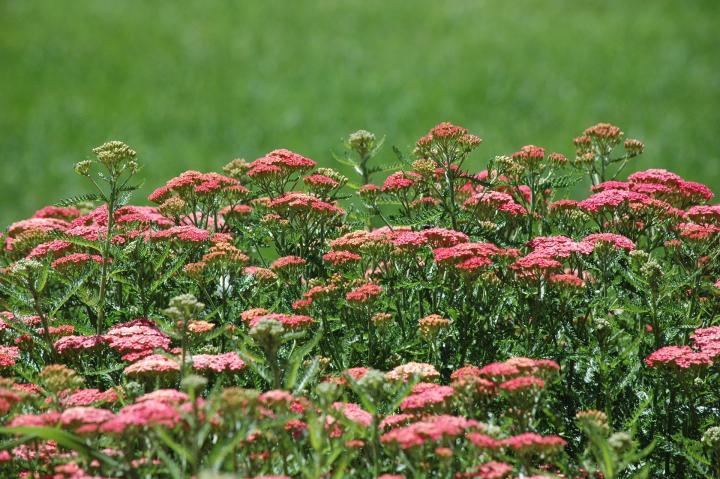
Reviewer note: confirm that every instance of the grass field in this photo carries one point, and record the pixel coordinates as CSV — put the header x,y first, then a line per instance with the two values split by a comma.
x,y
194,84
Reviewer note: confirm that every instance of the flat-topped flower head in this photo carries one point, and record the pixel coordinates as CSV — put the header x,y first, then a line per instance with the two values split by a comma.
x,y
610,239
364,294
431,325
230,362
682,357
448,136
407,371
291,321
153,365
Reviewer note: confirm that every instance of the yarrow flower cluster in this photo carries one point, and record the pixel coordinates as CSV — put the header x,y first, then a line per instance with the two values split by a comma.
x,y
447,322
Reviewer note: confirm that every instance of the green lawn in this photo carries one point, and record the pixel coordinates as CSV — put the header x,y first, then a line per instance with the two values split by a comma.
x,y
193,84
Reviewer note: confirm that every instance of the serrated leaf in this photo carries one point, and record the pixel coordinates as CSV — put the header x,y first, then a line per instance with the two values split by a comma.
x,y
78,199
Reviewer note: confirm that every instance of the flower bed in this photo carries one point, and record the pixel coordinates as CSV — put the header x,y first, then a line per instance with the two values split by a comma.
x,y
267,322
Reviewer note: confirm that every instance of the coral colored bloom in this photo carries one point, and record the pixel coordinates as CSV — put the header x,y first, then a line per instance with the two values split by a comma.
x,y
680,356
406,371
155,364
292,321
364,293
218,362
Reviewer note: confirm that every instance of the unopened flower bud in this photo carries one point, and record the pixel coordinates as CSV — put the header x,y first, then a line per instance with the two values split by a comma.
x,y
361,142
82,168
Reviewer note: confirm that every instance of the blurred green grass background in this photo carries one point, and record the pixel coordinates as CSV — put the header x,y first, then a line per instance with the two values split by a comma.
x,y
193,84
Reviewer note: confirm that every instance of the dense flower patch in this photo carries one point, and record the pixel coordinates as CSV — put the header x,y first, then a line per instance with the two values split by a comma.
x,y
440,322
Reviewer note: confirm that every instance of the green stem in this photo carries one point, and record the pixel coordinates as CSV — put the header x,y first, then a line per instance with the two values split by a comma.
x,y
106,259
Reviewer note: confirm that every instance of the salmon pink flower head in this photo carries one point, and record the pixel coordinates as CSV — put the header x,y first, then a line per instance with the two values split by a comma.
x,y
236,211
610,200
192,182
447,130
224,253
531,442
341,257
693,192
50,248
535,264
142,215
287,262
425,396
296,202
291,321
448,135
185,233
705,214
280,161
614,240
490,470
88,397
146,413
470,376
84,419
136,336
430,430
443,237
49,418
529,155
76,260
487,202
69,344
399,181
707,340
463,251
409,240
354,413
407,371
567,280
522,383
263,275
218,363
166,396
610,185
430,325
8,356
364,293
604,132
321,182
153,365
57,212
558,246
697,232
655,176
682,357
482,441
41,227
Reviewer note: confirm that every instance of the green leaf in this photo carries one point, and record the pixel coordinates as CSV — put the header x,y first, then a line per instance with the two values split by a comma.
x,y
296,359
69,293
78,199
175,471
179,449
